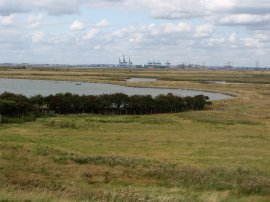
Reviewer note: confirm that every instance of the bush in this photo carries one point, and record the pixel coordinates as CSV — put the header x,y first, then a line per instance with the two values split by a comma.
x,y
118,103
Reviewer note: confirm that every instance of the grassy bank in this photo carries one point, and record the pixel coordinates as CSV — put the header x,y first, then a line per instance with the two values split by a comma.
x,y
220,154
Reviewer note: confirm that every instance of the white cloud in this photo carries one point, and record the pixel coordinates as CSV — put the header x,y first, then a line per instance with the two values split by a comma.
x,y
34,21
233,38
177,28
37,37
262,36
244,19
123,32
157,8
203,31
137,38
154,29
218,5
54,7
215,41
168,28
102,24
188,27
91,34
7,20
252,42
174,8
97,47
77,26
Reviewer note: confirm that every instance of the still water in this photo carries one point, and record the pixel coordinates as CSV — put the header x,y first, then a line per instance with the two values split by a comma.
x,y
45,87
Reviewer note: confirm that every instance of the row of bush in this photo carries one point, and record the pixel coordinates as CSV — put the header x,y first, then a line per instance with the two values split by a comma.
x,y
118,103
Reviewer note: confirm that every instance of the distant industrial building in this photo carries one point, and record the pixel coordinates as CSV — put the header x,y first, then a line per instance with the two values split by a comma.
x,y
124,63
168,64
157,64
154,64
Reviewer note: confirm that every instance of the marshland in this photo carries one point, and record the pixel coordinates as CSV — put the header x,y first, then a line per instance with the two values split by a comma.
x,y
220,153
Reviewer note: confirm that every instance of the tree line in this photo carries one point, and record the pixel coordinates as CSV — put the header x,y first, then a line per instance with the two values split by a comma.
x,y
118,103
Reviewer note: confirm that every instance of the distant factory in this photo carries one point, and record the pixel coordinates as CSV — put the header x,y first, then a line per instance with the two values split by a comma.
x,y
127,63
124,63
157,64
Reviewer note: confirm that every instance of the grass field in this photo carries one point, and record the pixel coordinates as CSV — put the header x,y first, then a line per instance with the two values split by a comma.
x,y
220,154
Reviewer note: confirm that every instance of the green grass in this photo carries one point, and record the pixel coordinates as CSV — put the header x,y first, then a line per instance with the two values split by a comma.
x,y
180,152
220,154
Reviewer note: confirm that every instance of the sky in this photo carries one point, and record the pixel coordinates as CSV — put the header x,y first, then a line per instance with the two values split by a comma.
x,y
204,32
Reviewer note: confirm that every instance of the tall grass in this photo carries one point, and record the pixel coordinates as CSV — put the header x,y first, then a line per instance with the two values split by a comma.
x,y
219,179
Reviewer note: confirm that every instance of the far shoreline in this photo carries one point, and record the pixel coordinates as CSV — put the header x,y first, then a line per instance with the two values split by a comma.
x,y
230,95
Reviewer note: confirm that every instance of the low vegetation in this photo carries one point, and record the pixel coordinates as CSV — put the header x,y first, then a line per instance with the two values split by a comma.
x,y
216,155
166,157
